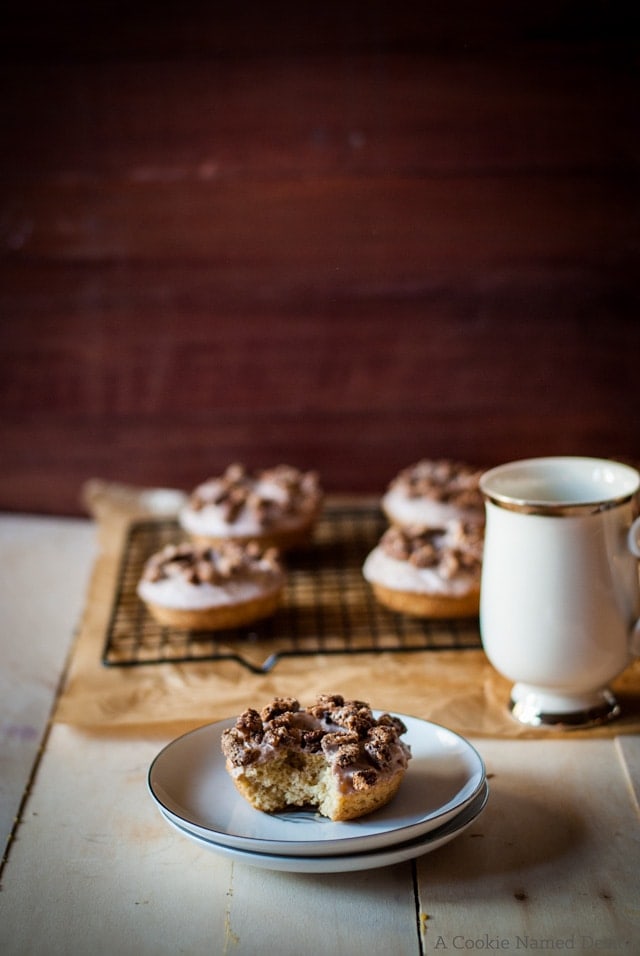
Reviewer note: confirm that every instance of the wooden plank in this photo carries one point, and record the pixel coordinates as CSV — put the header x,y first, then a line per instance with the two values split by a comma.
x,y
629,752
38,625
551,864
359,453
35,28
378,234
403,113
144,375
359,238
118,876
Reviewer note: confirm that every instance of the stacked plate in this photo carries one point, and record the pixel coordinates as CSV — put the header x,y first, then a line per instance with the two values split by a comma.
x,y
443,793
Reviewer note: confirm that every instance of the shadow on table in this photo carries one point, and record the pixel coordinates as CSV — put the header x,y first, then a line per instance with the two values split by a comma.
x,y
518,831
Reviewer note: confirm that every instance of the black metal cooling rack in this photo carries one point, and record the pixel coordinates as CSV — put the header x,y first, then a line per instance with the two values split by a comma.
x,y
327,606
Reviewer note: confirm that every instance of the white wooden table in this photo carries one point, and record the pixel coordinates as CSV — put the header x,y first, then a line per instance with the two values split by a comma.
x,y
551,865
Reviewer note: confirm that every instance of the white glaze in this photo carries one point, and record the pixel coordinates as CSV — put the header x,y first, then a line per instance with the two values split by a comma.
x,y
210,519
380,568
179,594
421,511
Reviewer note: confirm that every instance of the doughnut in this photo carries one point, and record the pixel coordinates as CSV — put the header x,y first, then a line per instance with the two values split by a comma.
x,y
197,588
334,756
431,492
428,572
277,506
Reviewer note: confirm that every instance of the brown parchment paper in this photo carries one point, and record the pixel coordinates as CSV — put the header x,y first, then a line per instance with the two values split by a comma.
x,y
458,689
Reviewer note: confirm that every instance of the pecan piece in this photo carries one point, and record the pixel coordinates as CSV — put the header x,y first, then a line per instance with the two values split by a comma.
x,y
279,735
332,743
354,717
364,779
249,723
234,747
278,706
387,720
347,755
311,740
378,746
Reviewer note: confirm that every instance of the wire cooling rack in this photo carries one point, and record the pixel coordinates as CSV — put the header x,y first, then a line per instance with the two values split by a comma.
x,y
327,606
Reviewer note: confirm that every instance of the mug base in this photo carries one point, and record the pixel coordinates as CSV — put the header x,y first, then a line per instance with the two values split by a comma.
x,y
538,708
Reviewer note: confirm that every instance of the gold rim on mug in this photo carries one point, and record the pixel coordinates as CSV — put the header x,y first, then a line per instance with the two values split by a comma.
x,y
558,509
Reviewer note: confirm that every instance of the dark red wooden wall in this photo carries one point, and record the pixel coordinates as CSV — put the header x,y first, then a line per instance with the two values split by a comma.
x,y
344,236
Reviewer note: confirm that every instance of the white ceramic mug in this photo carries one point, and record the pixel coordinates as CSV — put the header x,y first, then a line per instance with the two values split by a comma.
x,y
560,593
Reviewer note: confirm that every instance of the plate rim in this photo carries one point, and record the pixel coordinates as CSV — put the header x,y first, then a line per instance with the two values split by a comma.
x,y
334,844
370,859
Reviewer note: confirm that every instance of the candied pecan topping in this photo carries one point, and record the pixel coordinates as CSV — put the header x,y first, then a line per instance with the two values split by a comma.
x,y
278,706
360,705
387,720
347,754
345,731
364,779
237,749
311,740
209,565
280,733
441,480
325,704
379,746
355,717
238,489
456,547
332,743
250,724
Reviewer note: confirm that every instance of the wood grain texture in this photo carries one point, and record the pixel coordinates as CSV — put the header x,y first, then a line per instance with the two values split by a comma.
x,y
459,886
342,238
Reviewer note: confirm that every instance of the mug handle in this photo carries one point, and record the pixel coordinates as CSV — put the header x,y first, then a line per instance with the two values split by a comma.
x,y
633,541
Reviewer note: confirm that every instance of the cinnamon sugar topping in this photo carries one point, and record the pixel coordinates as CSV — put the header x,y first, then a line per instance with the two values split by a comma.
x,y
449,550
441,480
269,495
352,740
204,565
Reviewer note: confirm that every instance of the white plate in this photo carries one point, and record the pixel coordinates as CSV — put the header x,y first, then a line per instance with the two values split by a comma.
x,y
190,784
345,863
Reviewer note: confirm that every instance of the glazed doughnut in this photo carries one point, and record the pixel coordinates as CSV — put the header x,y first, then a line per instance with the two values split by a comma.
x,y
204,588
428,572
333,756
277,507
430,493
